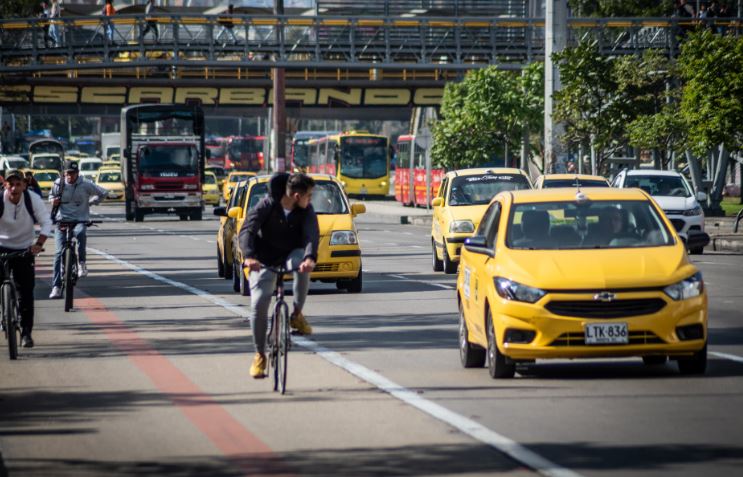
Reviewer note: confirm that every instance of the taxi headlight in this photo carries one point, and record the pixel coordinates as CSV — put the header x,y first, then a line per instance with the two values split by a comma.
x,y
695,211
343,237
511,290
687,288
461,227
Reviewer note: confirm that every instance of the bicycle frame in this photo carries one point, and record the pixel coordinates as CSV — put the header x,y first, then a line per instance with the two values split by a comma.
x,y
9,311
278,335
69,257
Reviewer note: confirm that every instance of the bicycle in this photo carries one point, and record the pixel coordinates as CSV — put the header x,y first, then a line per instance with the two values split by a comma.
x,y
11,321
69,259
278,339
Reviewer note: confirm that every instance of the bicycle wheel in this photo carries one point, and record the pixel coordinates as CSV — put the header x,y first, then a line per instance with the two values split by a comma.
x,y
69,280
10,318
282,346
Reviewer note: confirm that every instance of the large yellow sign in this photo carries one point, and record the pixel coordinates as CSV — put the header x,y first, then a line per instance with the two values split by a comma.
x,y
220,96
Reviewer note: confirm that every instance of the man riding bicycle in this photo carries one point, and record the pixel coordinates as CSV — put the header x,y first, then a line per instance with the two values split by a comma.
x,y
19,210
281,228
71,197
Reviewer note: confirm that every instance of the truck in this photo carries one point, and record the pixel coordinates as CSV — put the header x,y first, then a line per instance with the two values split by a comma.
x,y
110,144
163,160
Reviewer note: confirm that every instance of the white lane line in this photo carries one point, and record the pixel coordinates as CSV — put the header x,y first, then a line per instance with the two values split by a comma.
x,y
433,284
416,246
472,428
731,357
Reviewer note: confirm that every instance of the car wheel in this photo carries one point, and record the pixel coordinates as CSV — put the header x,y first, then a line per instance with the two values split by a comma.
x,y
228,270
450,266
498,367
696,251
355,284
654,360
220,264
138,216
438,265
470,355
235,277
697,364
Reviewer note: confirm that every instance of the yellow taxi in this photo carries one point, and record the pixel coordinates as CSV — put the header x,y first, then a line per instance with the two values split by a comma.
x,y
462,198
567,273
233,178
46,178
550,181
227,231
339,253
210,189
110,179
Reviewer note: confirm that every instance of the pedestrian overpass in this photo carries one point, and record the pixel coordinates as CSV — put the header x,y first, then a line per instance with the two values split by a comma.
x,y
364,66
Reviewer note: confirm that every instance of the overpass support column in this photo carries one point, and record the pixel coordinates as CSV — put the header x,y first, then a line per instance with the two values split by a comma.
x,y
278,150
555,37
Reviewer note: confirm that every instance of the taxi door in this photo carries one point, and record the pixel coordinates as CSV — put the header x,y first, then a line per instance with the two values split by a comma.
x,y
477,271
439,220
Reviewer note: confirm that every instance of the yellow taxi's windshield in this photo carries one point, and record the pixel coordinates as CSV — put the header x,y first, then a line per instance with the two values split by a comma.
x,y
481,188
109,177
327,198
588,225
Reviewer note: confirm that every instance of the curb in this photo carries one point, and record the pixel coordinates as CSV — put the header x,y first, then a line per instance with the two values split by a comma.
x,y
727,243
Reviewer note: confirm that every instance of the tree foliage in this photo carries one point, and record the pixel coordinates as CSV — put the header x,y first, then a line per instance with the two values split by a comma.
x,y
621,8
489,109
19,8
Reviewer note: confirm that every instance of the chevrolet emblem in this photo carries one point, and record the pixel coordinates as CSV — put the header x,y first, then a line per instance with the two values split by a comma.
x,y
604,296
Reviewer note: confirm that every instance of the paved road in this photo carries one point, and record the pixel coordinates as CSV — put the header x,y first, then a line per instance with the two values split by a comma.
x,y
149,376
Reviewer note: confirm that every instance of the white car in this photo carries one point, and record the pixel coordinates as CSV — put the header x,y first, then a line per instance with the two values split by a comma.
x,y
12,162
89,167
674,195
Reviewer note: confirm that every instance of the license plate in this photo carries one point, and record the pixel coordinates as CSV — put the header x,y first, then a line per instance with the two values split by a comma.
x,y
606,333
363,190
169,196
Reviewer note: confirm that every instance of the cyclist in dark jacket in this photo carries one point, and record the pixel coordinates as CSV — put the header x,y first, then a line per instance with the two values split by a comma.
x,y
281,228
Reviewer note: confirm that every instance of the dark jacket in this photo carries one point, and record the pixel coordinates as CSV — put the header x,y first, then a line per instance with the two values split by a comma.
x,y
269,236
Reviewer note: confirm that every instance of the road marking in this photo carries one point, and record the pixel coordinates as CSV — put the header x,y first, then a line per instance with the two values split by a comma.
x,y
433,284
223,430
472,428
731,357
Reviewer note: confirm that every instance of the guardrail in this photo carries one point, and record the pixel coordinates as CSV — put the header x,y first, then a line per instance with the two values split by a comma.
x,y
175,40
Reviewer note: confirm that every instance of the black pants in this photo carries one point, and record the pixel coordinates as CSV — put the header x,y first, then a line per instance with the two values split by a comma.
x,y
24,276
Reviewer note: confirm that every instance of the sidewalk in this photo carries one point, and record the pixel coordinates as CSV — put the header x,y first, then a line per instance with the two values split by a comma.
x,y
720,229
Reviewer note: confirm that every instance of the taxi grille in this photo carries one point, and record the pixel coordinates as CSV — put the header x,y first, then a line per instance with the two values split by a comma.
x,y
579,339
326,267
609,309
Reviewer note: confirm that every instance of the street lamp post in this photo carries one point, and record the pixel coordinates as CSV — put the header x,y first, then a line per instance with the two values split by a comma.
x,y
278,156
555,38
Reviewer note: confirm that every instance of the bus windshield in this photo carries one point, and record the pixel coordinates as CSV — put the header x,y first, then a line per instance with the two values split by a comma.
x,y
169,161
363,157
301,152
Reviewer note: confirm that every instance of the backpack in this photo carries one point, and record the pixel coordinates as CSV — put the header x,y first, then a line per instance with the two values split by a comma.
x,y
26,201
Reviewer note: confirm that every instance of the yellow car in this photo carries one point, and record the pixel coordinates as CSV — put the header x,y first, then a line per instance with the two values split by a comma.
x,y
227,231
590,274
110,179
111,164
233,178
462,198
338,255
46,178
550,181
210,189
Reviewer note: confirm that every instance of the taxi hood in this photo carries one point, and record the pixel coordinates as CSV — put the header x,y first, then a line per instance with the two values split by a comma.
x,y
596,269
467,212
328,223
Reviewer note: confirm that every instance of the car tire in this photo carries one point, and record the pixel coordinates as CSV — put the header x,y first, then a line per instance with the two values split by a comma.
x,y
355,284
498,366
697,364
138,216
450,267
696,251
654,360
196,215
235,277
220,264
438,265
228,270
470,355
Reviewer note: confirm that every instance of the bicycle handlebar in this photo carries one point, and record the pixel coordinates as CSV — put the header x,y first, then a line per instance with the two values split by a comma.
x,y
17,254
76,222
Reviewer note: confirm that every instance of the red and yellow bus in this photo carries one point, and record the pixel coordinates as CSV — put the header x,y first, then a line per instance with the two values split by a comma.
x,y
244,153
410,174
299,156
359,159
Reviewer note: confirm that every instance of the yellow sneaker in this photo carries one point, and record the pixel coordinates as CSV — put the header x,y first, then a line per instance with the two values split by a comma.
x,y
258,368
299,323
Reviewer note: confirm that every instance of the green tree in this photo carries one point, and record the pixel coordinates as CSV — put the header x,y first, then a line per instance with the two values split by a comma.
x,y
485,114
19,8
621,8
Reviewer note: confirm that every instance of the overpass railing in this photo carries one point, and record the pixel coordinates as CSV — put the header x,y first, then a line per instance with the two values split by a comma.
x,y
28,45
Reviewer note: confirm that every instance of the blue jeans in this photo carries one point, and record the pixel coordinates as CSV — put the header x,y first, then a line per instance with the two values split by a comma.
x,y
59,240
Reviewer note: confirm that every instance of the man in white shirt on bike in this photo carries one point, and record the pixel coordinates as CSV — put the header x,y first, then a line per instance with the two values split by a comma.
x,y
20,210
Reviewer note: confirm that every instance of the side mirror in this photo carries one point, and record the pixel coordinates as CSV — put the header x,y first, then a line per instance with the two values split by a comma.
x,y
235,213
696,239
357,209
478,244
701,197
437,202
220,211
